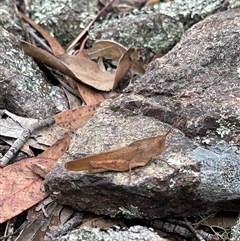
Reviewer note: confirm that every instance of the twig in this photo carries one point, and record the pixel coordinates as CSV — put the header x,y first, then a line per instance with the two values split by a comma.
x,y
88,26
18,230
182,228
64,228
39,40
188,226
17,145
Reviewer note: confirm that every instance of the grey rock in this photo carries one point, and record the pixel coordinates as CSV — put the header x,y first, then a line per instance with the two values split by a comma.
x,y
198,79
65,18
8,17
235,232
156,27
24,90
153,188
134,233
153,31
156,190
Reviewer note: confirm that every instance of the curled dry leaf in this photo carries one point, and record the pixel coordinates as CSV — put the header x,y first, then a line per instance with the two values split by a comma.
x,y
112,50
82,69
88,72
46,57
105,48
124,65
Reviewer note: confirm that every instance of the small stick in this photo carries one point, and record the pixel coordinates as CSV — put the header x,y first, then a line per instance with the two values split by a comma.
x,y
64,228
89,26
17,145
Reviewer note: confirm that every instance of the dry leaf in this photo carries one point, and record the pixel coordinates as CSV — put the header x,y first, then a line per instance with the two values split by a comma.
x,y
41,224
13,126
88,72
124,65
150,2
55,45
46,57
73,100
82,69
136,154
105,48
102,222
21,188
76,118
89,95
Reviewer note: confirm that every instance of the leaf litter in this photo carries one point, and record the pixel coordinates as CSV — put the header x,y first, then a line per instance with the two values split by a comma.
x,y
85,76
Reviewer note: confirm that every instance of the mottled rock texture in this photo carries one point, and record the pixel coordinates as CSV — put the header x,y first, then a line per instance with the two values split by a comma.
x,y
153,188
199,80
24,89
135,233
64,19
156,27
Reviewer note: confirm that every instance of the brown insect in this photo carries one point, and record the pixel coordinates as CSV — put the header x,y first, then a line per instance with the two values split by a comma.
x,y
136,154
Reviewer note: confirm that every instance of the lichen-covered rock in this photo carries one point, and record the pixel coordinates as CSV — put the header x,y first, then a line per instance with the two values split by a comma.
x,y
8,17
64,18
156,27
151,188
199,80
202,180
153,31
235,232
23,88
134,233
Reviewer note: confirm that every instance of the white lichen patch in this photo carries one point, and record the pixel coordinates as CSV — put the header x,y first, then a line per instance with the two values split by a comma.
x,y
131,212
224,128
64,18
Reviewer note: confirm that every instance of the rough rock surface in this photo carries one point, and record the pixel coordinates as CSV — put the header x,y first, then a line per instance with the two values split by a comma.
x,y
135,233
24,90
145,195
156,27
198,79
235,233
64,18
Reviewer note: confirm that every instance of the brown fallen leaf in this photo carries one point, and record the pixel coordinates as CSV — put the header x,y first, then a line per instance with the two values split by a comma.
x,y
76,118
89,95
55,45
83,69
150,2
136,154
124,65
103,222
105,48
20,187
46,57
86,69
88,72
